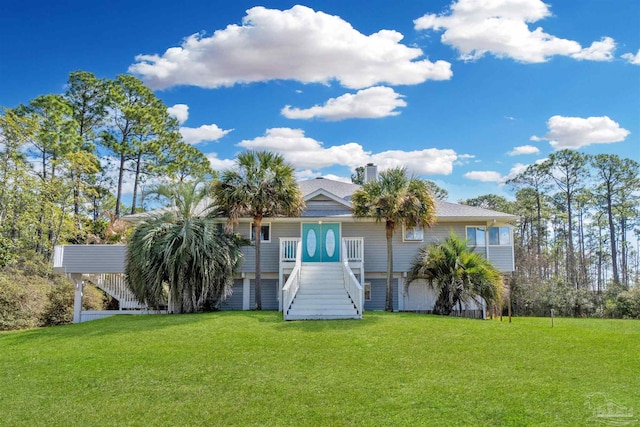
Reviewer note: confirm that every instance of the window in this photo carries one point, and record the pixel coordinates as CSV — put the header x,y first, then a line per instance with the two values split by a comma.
x,y
475,236
499,236
265,232
367,291
415,234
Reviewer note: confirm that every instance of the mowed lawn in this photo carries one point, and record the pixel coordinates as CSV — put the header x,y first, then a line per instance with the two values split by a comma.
x,y
250,368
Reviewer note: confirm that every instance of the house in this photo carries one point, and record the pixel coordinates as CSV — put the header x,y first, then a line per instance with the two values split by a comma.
x,y
325,264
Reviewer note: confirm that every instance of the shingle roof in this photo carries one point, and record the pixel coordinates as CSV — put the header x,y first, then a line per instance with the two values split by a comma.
x,y
447,209
444,209
343,190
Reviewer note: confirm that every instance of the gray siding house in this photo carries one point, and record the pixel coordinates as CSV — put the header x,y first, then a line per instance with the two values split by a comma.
x,y
327,264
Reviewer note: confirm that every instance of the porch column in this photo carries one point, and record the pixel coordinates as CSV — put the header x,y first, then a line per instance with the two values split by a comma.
x,y
246,292
401,281
77,298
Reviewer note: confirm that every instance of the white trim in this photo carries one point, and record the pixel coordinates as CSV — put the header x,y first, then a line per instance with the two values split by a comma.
x,y
323,192
404,235
264,224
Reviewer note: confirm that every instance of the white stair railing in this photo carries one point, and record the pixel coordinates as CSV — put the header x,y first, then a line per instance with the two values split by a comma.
x,y
351,284
115,285
293,282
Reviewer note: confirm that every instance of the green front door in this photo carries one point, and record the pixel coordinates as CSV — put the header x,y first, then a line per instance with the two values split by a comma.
x,y
321,242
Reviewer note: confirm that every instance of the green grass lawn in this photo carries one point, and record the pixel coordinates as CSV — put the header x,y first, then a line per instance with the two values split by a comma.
x,y
250,368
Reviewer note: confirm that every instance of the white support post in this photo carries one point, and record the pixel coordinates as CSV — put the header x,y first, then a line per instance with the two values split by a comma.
x,y
246,293
77,298
401,281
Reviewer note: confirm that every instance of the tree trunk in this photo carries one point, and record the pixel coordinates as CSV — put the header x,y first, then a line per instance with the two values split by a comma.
x,y
389,300
257,226
120,179
612,239
623,252
539,232
135,184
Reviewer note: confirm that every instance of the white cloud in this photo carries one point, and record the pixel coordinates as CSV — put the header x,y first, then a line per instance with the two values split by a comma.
x,y
485,176
497,177
516,170
307,153
633,59
303,175
299,44
203,133
576,132
220,164
598,51
524,149
180,112
337,178
430,161
374,102
501,28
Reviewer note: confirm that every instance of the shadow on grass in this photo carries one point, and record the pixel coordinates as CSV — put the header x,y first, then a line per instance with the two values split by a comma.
x,y
125,324
328,325
118,324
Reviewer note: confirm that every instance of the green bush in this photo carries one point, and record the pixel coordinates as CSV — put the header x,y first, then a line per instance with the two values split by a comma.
x,y
59,308
22,301
626,304
31,296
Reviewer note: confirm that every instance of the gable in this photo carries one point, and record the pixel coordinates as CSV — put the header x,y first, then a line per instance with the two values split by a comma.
x,y
322,203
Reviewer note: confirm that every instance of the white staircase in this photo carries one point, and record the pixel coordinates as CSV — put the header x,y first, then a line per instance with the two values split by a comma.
x,y
322,294
115,285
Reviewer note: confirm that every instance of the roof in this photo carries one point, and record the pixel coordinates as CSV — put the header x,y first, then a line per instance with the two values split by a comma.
x,y
344,191
456,210
444,210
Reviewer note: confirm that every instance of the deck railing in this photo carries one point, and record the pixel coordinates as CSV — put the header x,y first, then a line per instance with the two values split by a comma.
x,y
289,249
293,282
353,247
351,284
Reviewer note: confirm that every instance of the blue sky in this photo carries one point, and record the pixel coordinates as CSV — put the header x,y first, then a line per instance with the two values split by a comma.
x,y
461,94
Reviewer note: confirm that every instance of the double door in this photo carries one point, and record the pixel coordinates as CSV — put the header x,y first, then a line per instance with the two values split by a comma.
x,y
321,242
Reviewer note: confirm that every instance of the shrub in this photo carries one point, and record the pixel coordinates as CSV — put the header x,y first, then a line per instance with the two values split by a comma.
x,y
22,301
626,304
59,309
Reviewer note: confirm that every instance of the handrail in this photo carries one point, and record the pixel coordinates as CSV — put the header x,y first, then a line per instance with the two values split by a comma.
x,y
351,284
293,282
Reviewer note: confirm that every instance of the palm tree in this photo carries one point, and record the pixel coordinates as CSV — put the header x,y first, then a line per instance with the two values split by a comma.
x,y
396,199
457,274
184,249
261,186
